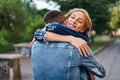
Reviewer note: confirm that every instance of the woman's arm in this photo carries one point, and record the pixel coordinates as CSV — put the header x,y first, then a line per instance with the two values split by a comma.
x,y
79,43
65,30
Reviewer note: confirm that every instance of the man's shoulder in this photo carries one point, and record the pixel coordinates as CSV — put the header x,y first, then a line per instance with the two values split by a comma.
x,y
61,45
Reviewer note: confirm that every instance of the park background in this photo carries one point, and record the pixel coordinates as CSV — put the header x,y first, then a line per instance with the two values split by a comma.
x,y
19,19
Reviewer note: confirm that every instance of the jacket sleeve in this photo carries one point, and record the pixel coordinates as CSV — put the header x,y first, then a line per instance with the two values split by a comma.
x,y
65,30
40,35
92,64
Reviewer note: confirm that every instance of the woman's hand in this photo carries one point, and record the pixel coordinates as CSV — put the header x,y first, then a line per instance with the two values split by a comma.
x,y
80,44
32,42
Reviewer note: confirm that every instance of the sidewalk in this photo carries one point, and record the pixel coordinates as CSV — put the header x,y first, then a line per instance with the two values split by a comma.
x,y
110,58
26,69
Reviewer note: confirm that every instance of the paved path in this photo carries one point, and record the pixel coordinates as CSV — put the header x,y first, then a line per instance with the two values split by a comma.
x,y
26,69
109,57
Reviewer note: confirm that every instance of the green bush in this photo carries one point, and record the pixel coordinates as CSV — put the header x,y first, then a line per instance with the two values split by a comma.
x,y
6,48
5,45
34,24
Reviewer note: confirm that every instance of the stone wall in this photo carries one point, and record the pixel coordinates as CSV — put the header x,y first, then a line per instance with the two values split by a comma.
x,y
5,66
10,67
23,49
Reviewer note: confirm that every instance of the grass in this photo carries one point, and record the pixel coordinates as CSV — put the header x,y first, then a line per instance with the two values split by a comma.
x,y
99,43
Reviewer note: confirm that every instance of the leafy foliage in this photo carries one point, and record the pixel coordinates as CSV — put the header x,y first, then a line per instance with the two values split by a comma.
x,y
97,9
4,44
12,18
115,15
10,10
17,22
36,23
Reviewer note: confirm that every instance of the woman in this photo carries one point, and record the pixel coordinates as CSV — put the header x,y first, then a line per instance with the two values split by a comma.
x,y
61,61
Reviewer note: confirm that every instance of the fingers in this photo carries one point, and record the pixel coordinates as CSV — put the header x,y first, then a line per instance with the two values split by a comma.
x,y
82,46
84,50
80,51
87,49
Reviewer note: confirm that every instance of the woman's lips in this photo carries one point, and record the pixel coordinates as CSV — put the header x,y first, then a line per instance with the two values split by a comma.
x,y
71,25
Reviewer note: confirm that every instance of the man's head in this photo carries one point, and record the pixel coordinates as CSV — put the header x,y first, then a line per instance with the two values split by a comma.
x,y
54,16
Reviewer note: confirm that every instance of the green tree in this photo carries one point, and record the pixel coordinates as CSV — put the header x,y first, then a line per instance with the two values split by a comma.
x,y
97,9
34,22
12,17
19,20
17,23
115,15
12,13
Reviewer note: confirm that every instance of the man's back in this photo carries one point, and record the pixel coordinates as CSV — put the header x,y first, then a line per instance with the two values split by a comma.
x,y
53,61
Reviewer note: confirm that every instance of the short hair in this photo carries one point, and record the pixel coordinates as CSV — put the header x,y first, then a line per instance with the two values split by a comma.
x,y
54,16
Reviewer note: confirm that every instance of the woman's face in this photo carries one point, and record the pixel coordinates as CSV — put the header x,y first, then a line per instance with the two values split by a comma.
x,y
77,21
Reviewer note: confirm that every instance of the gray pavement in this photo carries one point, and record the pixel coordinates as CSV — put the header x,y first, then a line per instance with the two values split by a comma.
x,y
109,57
26,69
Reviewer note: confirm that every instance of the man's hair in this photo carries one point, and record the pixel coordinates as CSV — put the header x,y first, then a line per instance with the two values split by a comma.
x,y
54,16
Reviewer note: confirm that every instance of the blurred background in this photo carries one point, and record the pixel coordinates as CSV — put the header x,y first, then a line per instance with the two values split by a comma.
x,y
19,19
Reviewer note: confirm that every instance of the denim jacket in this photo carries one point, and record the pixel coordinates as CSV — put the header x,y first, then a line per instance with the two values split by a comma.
x,y
61,61
60,29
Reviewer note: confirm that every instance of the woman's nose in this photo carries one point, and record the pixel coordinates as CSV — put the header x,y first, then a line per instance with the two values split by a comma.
x,y
74,20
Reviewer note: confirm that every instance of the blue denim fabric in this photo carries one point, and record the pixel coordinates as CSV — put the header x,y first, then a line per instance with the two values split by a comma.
x,y
39,35
64,30
61,61
84,74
